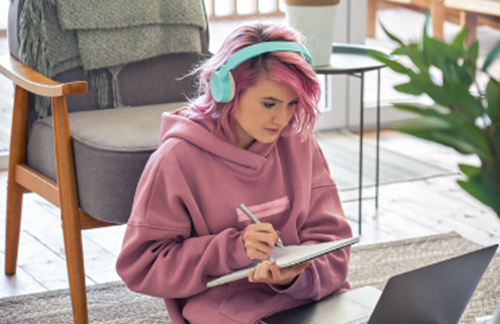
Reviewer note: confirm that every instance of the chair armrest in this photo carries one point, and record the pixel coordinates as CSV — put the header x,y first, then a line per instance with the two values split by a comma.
x,y
36,83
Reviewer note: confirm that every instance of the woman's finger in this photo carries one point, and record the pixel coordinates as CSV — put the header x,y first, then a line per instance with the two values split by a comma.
x,y
263,271
263,232
276,272
264,274
262,227
251,275
256,255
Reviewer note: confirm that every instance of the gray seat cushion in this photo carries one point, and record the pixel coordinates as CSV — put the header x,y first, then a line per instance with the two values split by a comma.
x,y
111,148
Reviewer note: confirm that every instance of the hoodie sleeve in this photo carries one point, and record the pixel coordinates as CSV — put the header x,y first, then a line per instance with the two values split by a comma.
x,y
325,222
159,257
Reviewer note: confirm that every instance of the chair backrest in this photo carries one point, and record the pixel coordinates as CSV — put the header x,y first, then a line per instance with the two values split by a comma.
x,y
152,81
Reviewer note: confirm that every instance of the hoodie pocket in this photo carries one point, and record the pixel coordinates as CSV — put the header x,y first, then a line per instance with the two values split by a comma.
x,y
264,210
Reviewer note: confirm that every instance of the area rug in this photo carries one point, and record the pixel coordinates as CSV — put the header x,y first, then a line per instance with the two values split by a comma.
x,y
371,265
341,151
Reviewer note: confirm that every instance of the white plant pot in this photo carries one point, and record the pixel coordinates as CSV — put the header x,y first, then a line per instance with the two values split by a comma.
x,y
317,24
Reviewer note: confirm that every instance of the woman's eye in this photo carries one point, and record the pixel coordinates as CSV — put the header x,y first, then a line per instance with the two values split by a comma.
x,y
268,104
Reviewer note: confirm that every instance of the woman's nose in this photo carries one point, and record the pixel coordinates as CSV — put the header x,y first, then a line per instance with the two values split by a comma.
x,y
281,117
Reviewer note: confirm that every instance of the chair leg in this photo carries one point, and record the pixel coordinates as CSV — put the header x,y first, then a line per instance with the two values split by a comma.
x,y
371,18
13,225
438,17
68,196
15,192
76,270
469,19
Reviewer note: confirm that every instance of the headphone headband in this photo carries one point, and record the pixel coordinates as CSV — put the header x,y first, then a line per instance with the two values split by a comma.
x,y
222,82
261,48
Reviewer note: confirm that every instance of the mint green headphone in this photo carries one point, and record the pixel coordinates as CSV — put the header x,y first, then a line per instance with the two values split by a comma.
x,y
222,82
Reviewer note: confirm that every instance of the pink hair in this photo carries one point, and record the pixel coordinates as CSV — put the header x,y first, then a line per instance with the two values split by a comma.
x,y
289,68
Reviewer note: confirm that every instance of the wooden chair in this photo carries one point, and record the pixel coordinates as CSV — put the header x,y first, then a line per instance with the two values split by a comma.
x,y
462,12
474,13
77,135
435,7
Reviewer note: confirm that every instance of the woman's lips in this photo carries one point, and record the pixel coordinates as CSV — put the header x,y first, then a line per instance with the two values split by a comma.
x,y
273,131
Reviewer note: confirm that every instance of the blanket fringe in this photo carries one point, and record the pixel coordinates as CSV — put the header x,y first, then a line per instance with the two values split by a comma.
x,y
33,50
117,99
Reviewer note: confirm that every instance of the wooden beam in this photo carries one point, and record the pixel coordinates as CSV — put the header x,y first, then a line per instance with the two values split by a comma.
x,y
437,10
469,19
486,7
88,222
371,18
38,183
43,186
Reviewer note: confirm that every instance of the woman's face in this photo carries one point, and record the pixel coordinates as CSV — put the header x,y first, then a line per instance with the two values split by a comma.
x,y
263,111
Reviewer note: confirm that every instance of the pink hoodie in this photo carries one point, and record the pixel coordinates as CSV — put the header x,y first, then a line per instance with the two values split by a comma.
x,y
185,228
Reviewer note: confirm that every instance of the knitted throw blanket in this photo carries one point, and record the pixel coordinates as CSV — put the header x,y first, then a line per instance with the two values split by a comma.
x,y
104,35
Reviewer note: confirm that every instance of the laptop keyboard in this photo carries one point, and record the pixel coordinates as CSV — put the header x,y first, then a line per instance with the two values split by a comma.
x,y
362,320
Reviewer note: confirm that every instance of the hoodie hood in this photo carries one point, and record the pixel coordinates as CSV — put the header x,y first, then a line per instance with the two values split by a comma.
x,y
200,132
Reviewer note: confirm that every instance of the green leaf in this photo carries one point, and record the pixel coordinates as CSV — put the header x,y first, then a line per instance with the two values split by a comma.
x,y
451,139
466,73
427,24
435,49
437,93
415,55
448,129
429,112
421,124
469,170
384,58
409,88
465,102
474,140
493,101
491,56
484,188
496,141
473,53
459,40
391,36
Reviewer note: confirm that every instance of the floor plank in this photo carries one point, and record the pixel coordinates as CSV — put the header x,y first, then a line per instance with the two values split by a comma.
x,y
19,284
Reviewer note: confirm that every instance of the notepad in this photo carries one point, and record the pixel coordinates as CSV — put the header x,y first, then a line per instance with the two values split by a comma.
x,y
291,256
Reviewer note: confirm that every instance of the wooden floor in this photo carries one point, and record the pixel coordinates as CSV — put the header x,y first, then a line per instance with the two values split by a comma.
x,y
410,209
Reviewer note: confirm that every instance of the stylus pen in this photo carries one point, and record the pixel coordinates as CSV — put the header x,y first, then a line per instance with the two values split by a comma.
x,y
257,221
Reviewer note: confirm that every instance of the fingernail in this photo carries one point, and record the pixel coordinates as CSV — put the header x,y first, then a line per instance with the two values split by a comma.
x,y
271,260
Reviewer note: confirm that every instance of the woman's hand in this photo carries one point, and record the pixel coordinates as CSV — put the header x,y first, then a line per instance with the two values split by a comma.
x,y
266,272
258,240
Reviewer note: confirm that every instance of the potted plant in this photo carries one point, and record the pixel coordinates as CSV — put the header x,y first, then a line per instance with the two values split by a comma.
x,y
464,116
315,19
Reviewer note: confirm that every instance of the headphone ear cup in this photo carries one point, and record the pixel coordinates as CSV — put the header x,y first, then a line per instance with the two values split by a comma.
x,y
232,86
220,87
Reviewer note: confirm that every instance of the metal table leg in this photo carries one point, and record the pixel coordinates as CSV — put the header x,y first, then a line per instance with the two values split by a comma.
x,y
378,140
361,129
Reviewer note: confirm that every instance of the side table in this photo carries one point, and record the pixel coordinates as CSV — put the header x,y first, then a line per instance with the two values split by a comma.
x,y
354,60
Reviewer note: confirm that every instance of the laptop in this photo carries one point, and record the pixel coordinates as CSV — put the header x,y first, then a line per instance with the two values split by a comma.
x,y
435,294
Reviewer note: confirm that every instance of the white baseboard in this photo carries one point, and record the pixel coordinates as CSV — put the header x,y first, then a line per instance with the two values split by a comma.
x,y
4,160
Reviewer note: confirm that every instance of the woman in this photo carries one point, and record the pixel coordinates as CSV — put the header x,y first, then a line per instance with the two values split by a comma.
x,y
258,149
